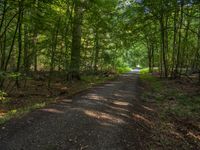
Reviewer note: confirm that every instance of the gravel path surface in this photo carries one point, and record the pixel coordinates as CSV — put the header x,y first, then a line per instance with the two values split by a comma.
x,y
107,117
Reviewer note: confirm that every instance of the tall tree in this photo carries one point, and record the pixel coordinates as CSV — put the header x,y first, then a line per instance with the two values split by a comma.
x,y
76,41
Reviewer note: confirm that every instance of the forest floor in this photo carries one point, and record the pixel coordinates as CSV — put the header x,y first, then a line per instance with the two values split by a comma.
x,y
120,114
35,93
177,104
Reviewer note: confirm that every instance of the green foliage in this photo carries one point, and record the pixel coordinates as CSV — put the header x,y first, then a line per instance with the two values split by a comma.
x,y
10,75
13,75
121,70
144,71
2,96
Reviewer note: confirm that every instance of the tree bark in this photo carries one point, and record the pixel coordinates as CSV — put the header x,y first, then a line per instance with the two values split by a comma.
x,y
96,51
19,41
74,73
174,42
177,72
163,47
26,49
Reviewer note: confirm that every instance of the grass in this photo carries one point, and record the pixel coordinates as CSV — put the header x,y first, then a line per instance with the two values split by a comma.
x,y
177,107
16,113
144,71
171,98
121,70
19,111
185,106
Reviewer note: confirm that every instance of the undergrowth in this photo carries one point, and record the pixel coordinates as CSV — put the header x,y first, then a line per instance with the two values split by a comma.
x,y
121,70
13,111
173,99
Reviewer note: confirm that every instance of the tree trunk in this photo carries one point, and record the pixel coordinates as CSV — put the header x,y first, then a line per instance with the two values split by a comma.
x,y
74,73
3,14
163,47
35,34
96,51
53,50
174,42
12,44
177,72
26,47
66,32
19,41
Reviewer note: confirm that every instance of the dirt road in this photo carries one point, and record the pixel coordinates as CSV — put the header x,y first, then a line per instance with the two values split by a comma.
x,y
106,117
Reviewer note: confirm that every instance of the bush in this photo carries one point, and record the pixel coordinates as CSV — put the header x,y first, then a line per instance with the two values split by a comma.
x,y
144,71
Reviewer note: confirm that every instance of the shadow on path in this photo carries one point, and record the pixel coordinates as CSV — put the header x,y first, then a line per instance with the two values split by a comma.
x,y
106,117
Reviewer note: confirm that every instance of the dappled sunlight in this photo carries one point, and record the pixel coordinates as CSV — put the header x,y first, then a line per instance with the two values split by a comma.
x,y
118,108
117,95
120,114
51,110
121,103
94,97
138,117
176,134
67,100
106,124
122,94
103,116
148,108
2,114
191,134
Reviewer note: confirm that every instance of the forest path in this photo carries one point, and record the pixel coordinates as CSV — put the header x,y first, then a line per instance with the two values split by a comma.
x,y
106,117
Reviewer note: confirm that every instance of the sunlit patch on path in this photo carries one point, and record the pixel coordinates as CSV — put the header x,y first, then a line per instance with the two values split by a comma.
x,y
106,117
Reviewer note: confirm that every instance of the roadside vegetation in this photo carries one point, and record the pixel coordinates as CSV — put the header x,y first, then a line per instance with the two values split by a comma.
x,y
177,103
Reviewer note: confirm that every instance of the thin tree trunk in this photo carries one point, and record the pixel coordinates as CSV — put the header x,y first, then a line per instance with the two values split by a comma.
x,y
174,42
26,60
12,44
67,29
96,51
184,55
19,41
35,35
198,53
177,72
3,14
53,51
162,29
3,52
